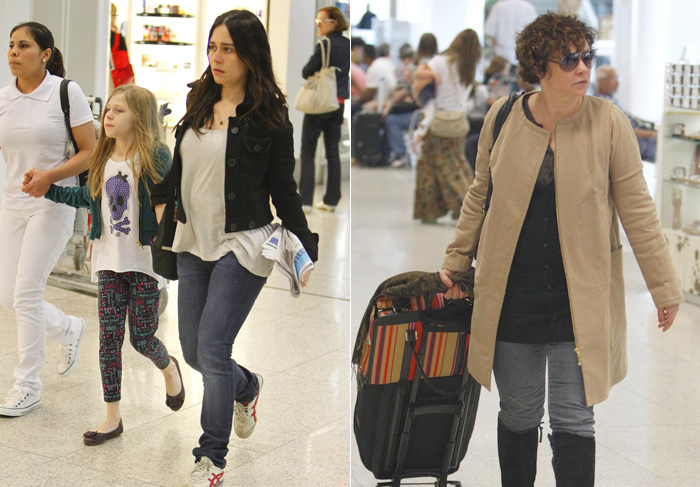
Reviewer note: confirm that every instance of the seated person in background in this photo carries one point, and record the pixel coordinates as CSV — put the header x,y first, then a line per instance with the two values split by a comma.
x,y
497,78
358,80
381,79
405,58
606,86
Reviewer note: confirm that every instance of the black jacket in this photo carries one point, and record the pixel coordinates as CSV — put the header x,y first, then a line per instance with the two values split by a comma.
x,y
340,58
259,165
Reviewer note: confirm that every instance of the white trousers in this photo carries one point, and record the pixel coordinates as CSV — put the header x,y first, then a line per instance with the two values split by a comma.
x,y
31,241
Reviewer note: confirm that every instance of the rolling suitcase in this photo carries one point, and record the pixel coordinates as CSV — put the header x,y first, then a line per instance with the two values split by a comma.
x,y
416,402
367,137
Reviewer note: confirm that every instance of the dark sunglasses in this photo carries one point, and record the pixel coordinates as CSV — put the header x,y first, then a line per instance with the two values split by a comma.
x,y
570,61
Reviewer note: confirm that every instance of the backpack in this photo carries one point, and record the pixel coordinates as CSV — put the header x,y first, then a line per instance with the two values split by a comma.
x,y
72,146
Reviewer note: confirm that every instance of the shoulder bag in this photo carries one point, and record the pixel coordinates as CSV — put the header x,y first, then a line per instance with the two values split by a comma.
x,y
320,91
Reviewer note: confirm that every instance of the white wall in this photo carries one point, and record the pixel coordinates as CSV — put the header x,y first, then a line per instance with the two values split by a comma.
x,y
292,37
648,34
444,18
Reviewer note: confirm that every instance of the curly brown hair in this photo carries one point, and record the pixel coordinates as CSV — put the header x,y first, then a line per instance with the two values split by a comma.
x,y
547,36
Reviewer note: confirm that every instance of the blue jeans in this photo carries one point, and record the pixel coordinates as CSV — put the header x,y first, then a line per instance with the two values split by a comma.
x,y
395,124
520,371
214,299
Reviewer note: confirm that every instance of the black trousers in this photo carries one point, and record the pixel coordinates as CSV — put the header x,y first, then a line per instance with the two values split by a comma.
x,y
329,124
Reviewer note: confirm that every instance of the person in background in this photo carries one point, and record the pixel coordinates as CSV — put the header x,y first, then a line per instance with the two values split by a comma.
x,y
442,173
549,312
358,78
33,138
381,79
606,87
128,160
505,20
122,71
331,24
405,57
234,154
427,48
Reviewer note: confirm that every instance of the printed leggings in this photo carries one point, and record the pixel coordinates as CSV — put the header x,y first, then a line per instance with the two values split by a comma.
x,y
139,294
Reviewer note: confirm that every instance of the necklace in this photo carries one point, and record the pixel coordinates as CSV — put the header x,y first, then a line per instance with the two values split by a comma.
x,y
224,102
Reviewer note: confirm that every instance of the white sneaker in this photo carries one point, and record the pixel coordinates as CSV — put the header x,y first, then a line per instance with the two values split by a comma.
x,y
245,418
69,353
19,403
205,474
307,208
324,207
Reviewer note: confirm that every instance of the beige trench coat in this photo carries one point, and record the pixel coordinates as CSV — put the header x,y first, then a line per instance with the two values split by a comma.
x,y
598,175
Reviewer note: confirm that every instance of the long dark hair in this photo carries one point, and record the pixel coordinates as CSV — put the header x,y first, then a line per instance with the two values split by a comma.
x,y
44,38
465,50
253,48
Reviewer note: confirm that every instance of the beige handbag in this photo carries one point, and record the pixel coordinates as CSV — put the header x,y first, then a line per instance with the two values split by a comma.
x,y
320,92
448,124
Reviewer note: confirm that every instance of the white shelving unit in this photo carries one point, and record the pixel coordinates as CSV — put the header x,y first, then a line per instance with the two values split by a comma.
x,y
678,192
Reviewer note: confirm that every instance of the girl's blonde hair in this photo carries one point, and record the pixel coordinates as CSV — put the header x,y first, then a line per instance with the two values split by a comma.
x,y
147,138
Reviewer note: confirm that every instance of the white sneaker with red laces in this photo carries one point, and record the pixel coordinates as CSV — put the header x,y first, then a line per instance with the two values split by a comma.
x,y
205,474
245,418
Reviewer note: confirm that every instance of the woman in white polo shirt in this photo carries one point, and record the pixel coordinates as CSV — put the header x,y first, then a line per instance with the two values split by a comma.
x,y
34,233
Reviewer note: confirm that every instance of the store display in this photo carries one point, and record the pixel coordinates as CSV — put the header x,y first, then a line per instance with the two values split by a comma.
x,y
683,85
677,201
678,172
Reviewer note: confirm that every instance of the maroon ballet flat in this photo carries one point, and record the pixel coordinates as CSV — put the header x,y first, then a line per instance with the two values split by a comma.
x,y
175,402
94,438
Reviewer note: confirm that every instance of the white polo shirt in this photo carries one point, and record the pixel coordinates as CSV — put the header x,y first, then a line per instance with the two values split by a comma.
x,y
33,134
506,19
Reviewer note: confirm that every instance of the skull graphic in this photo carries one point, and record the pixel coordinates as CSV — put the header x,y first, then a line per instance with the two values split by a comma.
x,y
118,190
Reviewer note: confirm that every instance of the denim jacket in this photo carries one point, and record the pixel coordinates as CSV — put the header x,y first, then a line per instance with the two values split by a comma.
x,y
78,197
259,166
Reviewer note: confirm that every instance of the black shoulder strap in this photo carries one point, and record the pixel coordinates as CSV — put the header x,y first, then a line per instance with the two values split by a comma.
x,y
65,108
501,117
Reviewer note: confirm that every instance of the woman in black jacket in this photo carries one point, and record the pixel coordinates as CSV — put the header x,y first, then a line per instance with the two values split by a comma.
x,y
234,152
331,23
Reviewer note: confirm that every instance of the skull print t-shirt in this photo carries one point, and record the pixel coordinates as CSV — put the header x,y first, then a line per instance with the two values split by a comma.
x,y
118,249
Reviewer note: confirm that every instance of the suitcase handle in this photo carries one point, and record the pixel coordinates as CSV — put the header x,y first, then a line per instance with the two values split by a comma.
x,y
411,339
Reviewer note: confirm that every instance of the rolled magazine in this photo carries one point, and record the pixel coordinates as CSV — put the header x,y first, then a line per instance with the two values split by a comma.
x,y
289,255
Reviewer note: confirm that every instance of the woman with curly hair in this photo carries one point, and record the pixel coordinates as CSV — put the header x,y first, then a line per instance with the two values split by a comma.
x,y
549,291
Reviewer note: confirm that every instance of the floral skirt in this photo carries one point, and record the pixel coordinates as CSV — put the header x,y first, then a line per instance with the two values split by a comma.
x,y
443,177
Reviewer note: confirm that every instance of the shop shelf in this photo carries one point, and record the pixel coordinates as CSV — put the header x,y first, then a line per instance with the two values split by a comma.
x,y
182,16
164,43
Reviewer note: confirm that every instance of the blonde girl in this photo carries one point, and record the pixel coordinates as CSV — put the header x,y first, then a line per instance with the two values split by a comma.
x,y
128,160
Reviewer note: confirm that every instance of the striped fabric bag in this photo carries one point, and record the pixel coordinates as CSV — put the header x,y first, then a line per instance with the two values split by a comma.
x,y
397,329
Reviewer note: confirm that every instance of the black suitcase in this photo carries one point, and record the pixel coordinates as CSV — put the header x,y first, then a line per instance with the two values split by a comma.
x,y
367,137
416,402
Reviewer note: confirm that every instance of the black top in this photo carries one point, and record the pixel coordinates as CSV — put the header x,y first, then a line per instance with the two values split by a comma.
x,y
536,304
340,58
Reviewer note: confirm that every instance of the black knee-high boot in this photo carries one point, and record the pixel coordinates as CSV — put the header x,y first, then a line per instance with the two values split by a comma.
x,y
517,454
573,460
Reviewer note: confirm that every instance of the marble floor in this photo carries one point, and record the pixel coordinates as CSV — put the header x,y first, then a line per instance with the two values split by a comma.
x,y
648,431
300,346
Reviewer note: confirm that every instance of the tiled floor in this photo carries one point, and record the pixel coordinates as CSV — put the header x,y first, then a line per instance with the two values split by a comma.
x,y
647,431
299,345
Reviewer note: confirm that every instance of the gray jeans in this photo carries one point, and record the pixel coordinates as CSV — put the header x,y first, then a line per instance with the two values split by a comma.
x,y
520,371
